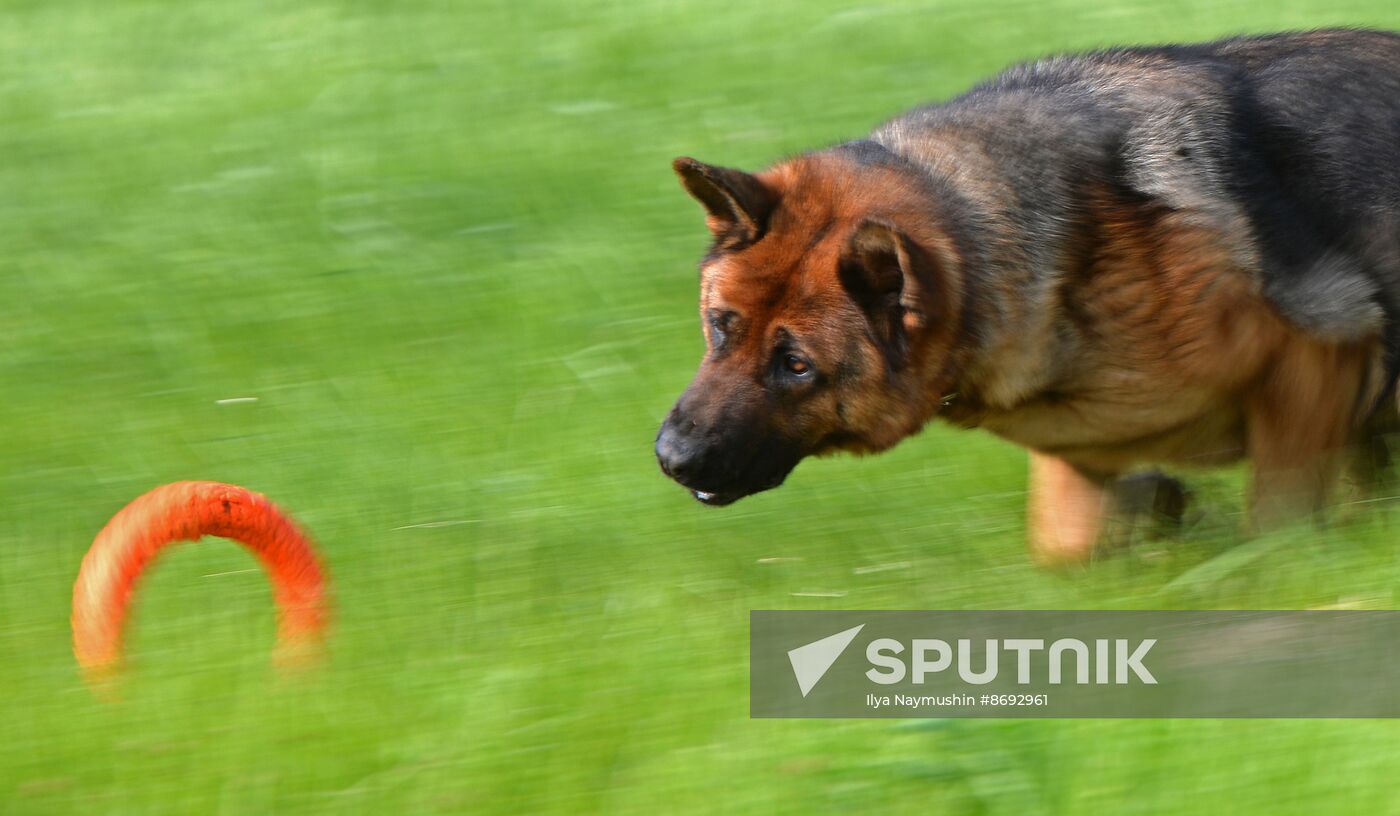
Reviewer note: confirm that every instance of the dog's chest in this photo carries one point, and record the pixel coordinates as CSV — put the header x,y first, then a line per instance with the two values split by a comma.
x,y
1125,420
1147,358
1152,344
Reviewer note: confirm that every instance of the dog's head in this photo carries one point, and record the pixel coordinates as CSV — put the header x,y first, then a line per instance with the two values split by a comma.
x,y
829,302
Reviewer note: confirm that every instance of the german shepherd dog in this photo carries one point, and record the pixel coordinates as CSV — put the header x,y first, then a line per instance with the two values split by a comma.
x,y
1165,255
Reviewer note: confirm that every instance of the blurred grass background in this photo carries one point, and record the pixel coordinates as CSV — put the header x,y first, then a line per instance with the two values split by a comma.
x,y
441,245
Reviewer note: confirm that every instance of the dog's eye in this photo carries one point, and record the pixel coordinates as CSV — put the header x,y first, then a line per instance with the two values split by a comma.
x,y
796,366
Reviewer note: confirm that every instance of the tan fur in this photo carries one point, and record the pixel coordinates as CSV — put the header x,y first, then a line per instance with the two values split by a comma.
x,y
1065,512
1178,358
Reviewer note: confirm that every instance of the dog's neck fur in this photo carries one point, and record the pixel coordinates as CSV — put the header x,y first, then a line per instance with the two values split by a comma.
x,y
1010,288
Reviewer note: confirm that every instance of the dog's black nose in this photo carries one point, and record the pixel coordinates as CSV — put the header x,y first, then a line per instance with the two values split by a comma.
x,y
679,456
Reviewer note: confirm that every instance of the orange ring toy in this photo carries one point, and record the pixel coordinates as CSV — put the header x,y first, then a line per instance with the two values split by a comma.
x,y
187,511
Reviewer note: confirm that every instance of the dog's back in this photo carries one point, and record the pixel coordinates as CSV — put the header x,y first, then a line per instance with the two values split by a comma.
x,y
1287,145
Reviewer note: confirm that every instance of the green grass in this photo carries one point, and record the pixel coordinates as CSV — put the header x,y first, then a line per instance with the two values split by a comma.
x,y
441,244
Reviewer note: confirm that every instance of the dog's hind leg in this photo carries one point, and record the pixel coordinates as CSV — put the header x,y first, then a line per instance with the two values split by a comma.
x,y
1299,420
1371,462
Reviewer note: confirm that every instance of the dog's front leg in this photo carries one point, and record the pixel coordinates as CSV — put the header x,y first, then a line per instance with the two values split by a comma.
x,y
1066,511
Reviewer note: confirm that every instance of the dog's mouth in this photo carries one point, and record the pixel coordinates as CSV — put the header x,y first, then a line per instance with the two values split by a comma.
x,y
720,476
715,499
720,498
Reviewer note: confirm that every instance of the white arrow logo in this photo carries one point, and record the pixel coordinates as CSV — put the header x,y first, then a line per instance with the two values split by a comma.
x,y
810,662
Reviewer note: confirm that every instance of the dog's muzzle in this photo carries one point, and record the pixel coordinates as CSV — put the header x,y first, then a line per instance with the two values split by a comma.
x,y
719,471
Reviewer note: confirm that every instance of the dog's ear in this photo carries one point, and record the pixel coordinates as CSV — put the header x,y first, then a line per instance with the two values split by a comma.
x,y
893,281
737,205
